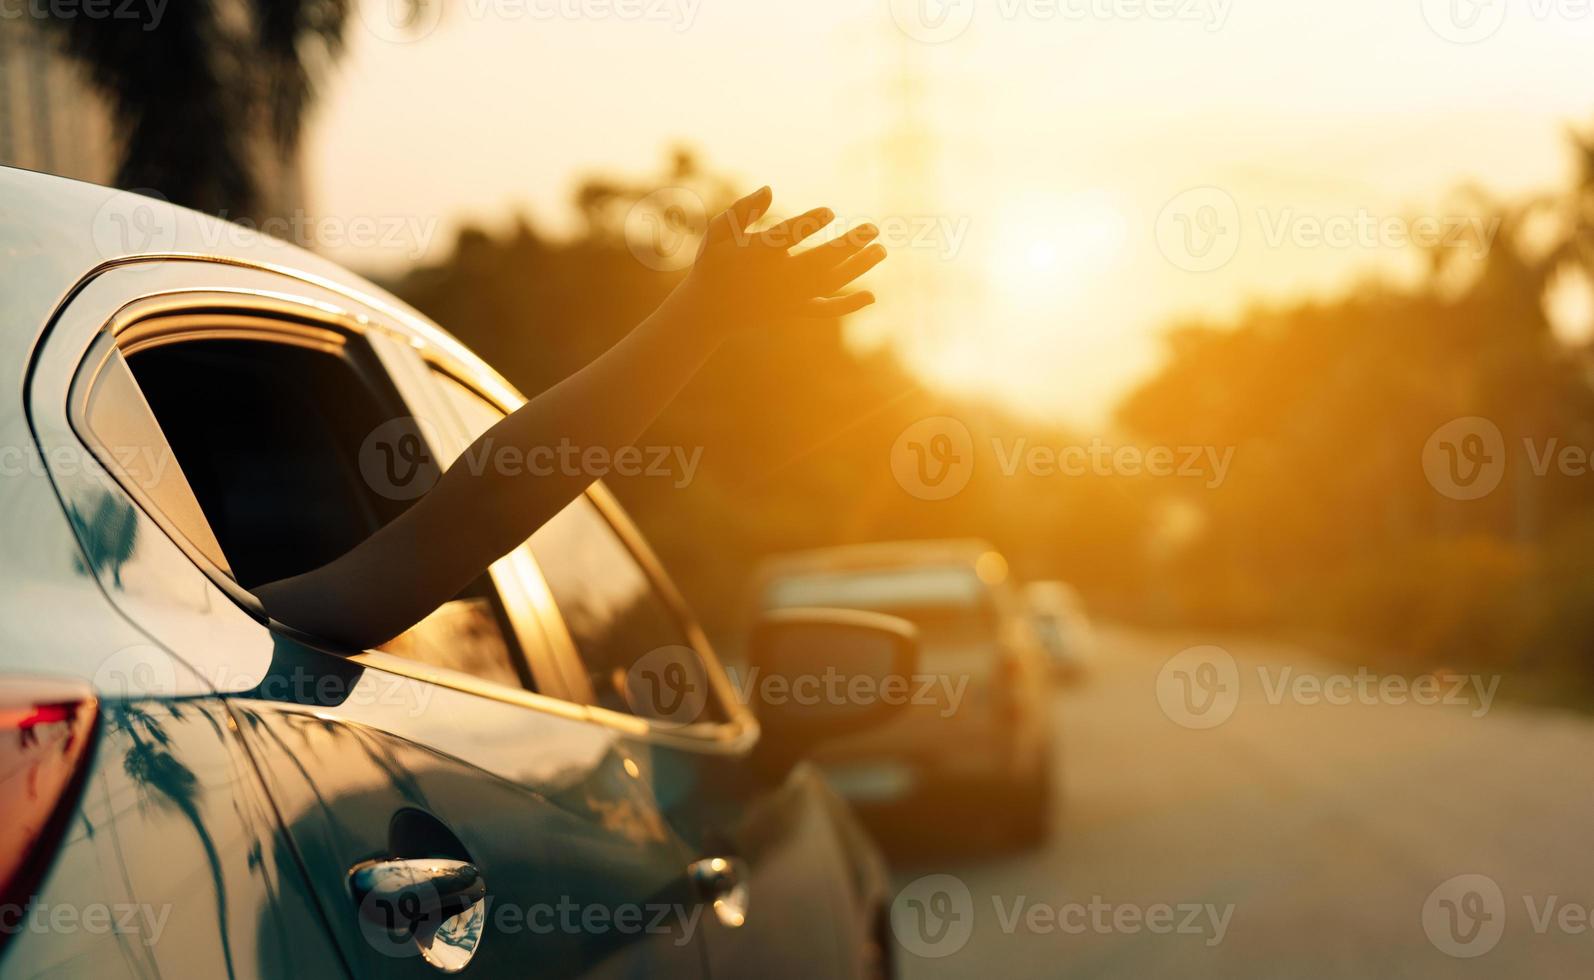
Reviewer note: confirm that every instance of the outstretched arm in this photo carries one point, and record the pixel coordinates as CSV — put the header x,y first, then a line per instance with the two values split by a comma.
x,y
470,519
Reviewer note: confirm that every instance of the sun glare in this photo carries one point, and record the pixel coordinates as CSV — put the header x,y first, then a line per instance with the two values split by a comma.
x,y
1046,249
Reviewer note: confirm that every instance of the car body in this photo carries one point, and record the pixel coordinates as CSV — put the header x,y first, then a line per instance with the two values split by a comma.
x,y
976,733
1057,614
195,790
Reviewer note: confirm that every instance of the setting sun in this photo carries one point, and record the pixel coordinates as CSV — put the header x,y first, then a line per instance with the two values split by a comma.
x,y
1046,250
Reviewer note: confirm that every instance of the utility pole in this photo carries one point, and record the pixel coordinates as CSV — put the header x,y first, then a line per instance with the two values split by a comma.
x,y
927,293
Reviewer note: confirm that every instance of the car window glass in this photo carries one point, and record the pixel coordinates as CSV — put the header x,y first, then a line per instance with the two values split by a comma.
x,y
636,652
634,649
476,413
467,634
269,436
275,440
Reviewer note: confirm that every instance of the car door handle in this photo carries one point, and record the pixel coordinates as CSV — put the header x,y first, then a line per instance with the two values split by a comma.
x,y
417,888
722,881
435,905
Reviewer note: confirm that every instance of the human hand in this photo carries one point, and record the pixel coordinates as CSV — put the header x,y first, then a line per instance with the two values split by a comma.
x,y
744,278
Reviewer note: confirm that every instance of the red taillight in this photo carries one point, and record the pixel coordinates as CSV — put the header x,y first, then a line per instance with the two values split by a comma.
x,y
45,730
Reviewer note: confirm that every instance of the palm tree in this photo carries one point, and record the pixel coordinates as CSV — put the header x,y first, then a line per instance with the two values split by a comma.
x,y
208,93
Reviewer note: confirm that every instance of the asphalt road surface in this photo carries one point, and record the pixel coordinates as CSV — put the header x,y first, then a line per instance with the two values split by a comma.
x,y
1251,811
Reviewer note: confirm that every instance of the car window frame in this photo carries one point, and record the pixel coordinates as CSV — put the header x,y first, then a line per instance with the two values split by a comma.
x,y
115,293
160,328
738,730
178,318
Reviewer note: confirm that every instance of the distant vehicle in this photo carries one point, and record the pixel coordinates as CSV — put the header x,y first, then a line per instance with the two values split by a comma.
x,y
1057,615
976,731
550,775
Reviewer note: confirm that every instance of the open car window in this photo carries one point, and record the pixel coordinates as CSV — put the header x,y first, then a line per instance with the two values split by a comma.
x,y
268,450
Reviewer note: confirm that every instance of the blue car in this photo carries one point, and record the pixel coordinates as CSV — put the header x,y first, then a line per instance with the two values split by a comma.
x,y
549,776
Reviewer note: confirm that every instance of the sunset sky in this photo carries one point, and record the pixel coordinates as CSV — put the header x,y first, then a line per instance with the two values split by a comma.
x,y
1098,167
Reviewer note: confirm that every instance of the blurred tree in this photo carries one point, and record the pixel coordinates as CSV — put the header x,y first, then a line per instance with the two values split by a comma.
x,y
796,427
1328,518
210,94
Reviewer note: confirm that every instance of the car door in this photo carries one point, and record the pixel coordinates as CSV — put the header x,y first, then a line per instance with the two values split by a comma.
x,y
449,803
802,887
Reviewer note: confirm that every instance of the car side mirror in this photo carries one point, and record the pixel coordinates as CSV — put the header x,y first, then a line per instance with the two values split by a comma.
x,y
816,674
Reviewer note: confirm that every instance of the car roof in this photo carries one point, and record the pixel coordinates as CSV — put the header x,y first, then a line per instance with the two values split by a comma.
x,y
883,554
56,232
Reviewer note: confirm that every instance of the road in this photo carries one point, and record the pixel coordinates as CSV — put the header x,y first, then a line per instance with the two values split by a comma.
x,y
1296,838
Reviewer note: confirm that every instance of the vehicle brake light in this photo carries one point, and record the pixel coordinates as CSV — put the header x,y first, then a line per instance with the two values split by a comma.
x,y
46,728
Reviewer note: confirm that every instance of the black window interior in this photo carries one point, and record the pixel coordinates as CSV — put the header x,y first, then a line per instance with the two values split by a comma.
x,y
269,436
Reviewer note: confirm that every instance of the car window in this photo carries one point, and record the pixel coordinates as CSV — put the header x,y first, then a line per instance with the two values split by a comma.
x,y
270,437
475,413
636,653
